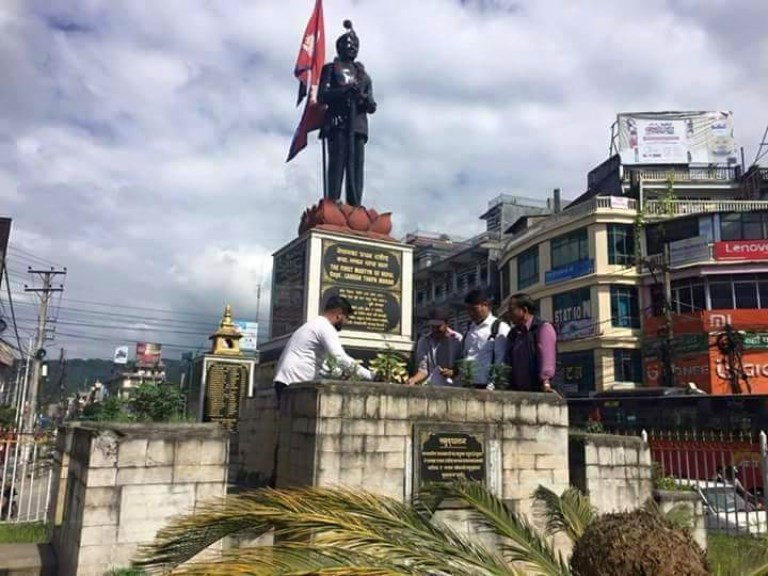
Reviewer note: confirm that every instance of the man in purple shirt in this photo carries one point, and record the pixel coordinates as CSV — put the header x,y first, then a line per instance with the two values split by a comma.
x,y
531,347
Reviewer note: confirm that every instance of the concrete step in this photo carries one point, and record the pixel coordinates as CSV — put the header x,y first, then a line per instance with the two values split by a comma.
x,y
27,560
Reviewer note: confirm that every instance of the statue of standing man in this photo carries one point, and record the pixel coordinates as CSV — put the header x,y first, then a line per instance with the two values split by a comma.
x,y
346,89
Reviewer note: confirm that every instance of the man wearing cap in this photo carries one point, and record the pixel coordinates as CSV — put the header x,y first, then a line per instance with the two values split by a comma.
x,y
437,352
485,341
303,357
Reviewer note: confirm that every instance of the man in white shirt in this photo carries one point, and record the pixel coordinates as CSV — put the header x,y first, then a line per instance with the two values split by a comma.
x,y
485,341
310,345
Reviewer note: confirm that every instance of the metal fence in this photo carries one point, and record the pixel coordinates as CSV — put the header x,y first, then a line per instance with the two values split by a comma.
x,y
727,471
26,473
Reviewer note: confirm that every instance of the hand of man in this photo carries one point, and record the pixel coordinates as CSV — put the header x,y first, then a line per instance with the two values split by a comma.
x,y
446,372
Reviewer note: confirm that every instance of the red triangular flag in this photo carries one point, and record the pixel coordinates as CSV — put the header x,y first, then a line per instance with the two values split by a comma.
x,y
309,64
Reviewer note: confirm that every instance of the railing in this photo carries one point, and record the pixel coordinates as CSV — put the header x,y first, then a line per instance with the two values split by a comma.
x,y
690,174
582,209
672,208
25,477
727,471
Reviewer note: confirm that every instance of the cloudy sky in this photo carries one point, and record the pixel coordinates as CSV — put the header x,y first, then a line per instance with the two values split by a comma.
x,y
143,144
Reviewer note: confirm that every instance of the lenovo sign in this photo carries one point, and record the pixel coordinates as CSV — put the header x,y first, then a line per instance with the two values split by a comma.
x,y
741,250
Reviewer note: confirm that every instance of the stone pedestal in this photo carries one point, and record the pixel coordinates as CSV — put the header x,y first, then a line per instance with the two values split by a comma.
x,y
388,438
374,273
124,482
614,471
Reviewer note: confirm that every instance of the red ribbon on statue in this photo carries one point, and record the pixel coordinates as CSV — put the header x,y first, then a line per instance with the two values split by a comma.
x,y
309,64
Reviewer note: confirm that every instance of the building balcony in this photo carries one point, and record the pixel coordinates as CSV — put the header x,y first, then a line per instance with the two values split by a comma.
x,y
598,204
698,250
685,174
659,209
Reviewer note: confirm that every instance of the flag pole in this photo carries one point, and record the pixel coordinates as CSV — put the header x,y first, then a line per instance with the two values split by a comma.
x,y
325,170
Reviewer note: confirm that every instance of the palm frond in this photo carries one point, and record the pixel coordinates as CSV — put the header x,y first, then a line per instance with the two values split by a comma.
x,y
293,559
523,543
331,519
569,513
679,516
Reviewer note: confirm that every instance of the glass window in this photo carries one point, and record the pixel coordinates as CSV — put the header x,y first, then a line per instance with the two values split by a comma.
x,y
699,297
763,291
621,244
752,226
730,226
746,294
682,300
528,268
721,295
569,248
505,280
657,299
627,366
625,311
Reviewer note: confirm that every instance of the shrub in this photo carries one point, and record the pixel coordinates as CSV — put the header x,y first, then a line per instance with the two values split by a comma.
x,y
637,543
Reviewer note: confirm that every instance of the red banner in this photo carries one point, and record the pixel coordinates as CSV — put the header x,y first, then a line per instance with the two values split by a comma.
x,y
741,250
309,64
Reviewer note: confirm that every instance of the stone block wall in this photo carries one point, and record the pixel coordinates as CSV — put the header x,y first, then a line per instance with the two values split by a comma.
x,y
363,435
691,501
614,471
257,431
125,481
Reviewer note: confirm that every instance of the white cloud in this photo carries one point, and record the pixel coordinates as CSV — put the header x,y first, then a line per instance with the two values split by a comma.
x,y
143,145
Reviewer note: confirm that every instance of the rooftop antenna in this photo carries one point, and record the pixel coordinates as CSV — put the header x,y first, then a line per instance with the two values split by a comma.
x,y
762,149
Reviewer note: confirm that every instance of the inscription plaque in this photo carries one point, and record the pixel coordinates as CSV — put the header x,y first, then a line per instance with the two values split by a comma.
x,y
450,456
370,278
223,387
290,274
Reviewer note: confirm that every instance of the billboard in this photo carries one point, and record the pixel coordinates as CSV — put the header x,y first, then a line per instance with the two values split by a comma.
x,y
250,332
121,355
676,138
148,354
572,314
741,250
568,271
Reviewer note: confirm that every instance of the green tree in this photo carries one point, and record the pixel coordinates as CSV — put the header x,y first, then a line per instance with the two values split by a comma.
x,y
156,403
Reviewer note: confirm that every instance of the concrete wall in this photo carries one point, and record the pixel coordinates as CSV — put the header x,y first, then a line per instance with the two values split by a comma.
x,y
363,435
125,481
614,471
692,502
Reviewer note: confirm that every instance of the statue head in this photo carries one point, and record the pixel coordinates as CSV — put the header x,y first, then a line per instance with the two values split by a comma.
x,y
348,44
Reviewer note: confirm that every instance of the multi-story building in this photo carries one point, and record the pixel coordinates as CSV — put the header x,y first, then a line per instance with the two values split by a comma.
x,y
598,268
447,268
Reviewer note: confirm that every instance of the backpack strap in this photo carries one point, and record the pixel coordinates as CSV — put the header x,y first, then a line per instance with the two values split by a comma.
x,y
494,333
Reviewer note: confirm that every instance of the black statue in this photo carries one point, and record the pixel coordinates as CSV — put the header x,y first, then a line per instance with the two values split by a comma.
x,y
346,89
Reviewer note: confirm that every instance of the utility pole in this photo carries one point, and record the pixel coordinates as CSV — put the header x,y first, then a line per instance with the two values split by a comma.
x,y
42,318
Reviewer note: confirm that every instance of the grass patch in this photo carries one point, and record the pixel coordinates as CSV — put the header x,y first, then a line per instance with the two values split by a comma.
x,y
125,572
23,533
736,555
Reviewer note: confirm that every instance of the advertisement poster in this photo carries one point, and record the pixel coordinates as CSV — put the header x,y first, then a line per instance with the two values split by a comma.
x,y
741,250
250,332
572,314
148,354
677,138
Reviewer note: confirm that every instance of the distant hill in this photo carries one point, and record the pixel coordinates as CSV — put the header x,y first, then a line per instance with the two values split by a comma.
x,y
81,373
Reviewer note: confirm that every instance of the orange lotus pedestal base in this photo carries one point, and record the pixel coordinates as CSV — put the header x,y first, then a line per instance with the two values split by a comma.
x,y
357,220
